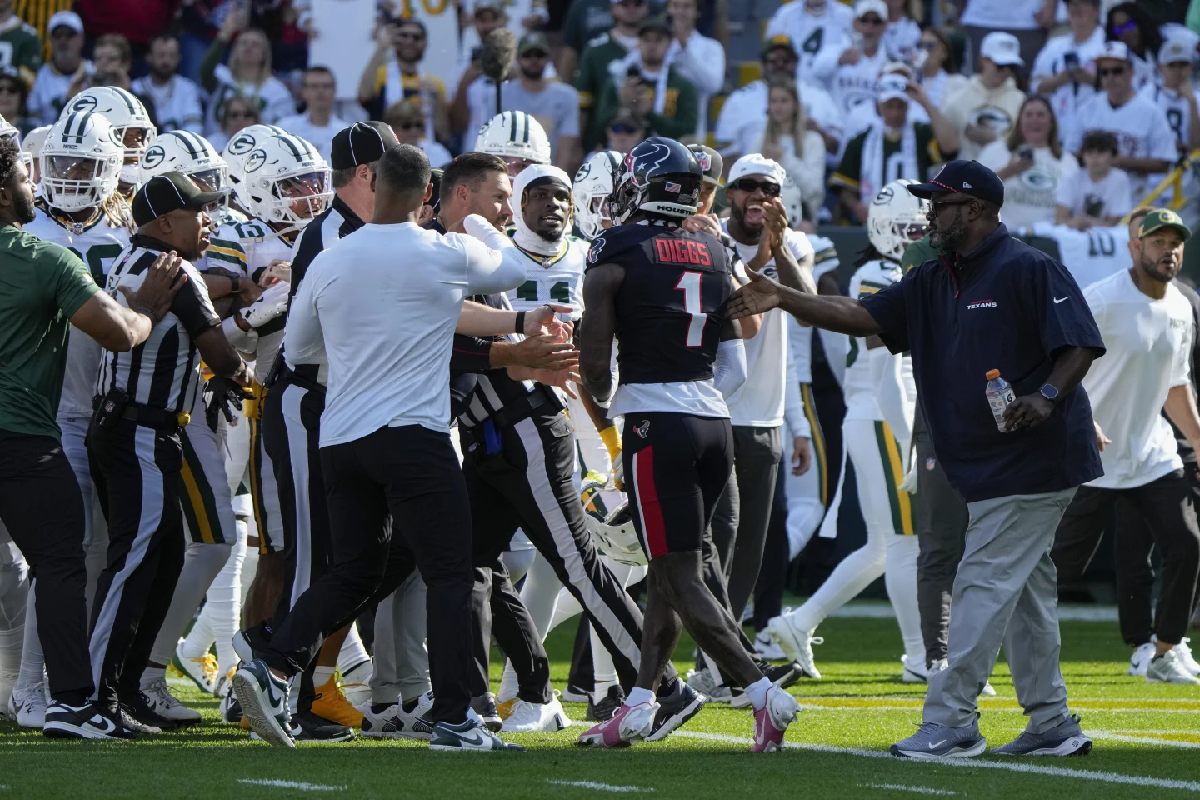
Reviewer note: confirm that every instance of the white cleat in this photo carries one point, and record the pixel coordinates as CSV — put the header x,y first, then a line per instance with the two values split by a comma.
x,y
940,664
1168,668
1140,660
913,673
202,671
796,643
160,700
28,706
536,718
1184,651
766,647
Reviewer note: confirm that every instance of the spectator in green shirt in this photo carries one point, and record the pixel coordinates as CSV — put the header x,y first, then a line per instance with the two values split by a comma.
x,y
602,51
44,289
644,83
20,47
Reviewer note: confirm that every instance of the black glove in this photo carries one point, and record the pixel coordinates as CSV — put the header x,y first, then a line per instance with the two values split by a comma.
x,y
223,395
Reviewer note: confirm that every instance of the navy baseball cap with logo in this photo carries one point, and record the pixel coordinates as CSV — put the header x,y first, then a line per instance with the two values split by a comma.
x,y
963,177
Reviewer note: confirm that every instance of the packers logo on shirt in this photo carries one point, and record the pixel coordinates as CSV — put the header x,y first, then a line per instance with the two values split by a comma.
x,y
1039,180
997,119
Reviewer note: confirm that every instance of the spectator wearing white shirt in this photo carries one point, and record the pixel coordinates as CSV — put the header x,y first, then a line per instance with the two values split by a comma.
x,y
1133,25
1145,141
819,30
1029,20
696,57
1098,195
176,99
785,138
317,125
61,76
903,33
1063,70
407,120
985,109
1032,164
860,64
486,16
939,70
248,73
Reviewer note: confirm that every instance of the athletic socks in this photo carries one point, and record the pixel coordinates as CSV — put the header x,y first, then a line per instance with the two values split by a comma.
x,y
33,664
322,675
758,691
638,695
201,565
604,672
352,654
855,572
153,672
901,579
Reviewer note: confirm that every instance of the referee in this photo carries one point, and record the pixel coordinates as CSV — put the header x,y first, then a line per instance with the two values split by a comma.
x,y
143,402
44,289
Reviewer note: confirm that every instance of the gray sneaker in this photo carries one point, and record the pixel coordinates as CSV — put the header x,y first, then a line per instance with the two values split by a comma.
x,y
933,741
704,683
1065,739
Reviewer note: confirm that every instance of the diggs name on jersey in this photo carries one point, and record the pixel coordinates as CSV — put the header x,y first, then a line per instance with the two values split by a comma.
x,y
682,251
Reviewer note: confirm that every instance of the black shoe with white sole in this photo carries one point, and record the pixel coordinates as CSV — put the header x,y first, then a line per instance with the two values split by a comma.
x,y
467,736
264,700
89,721
137,707
310,727
489,714
675,710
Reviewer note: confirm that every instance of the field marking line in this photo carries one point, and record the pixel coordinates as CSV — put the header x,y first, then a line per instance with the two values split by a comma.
x,y
899,787
300,785
1157,740
919,699
994,703
969,763
1001,709
600,787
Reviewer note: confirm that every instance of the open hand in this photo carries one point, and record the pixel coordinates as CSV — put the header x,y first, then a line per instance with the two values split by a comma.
x,y
757,297
161,283
702,222
544,320
545,352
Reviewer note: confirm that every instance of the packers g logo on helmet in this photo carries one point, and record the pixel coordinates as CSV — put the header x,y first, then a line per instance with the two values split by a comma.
x,y
255,160
154,156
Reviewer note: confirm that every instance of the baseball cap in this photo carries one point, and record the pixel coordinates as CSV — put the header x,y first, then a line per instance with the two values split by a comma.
x,y
864,7
169,192
892,87
1114,50
1002,48
757,164
628,119
711,163
533,42
655,22
779,41
1174,51
361,143
68,18
1162,218
963,177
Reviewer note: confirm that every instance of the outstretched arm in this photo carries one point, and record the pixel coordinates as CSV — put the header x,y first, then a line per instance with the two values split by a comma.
x,y
840,314
597,328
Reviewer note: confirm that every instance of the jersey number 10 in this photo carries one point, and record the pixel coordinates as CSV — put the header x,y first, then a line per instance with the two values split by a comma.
x,y
689,284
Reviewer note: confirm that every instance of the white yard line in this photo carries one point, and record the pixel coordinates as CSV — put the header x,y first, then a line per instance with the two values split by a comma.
x,y
299,785
899,787
995,710
600,787
1079,613
970,763
1117,737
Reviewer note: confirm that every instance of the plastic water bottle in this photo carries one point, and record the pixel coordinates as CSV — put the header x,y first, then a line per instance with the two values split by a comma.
x,y
999,395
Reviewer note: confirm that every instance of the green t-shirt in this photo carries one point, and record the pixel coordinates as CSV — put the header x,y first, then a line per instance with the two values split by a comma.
x,y
20,48
586,19
41,286
918,252
593,68
678,118
849,171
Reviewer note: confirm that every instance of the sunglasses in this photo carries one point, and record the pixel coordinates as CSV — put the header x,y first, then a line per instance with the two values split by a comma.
x,y
9,89
410,37
928,45
749,185
623,128
1104,73
939,206
1128,27
535,54
871,20
241,114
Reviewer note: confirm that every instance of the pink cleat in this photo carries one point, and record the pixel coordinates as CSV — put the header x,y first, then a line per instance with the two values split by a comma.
x,y
772,720
629,725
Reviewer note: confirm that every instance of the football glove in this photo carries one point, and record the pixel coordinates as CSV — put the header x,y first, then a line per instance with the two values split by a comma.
x,y
270,304
223,396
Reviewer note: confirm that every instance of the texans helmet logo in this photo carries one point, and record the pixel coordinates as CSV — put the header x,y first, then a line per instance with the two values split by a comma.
x,y
643,430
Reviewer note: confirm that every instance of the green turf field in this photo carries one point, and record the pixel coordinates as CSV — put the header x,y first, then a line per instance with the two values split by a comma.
x,y
1147,742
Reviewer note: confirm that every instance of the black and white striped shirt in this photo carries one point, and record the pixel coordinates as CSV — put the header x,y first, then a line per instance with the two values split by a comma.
x,y
164,371
326,229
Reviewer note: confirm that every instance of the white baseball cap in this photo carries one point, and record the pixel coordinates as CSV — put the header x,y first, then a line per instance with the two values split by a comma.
x,y
1002,48
756,164
1118,51
892,87
864,7
67,18
1174,51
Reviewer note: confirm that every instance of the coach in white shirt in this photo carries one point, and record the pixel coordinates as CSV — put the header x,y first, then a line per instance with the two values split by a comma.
x,y
317,125
1147,328
383,304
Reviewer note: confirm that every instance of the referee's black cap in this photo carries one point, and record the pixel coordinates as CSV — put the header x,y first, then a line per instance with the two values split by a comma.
x,y
963,177
169,192
361,143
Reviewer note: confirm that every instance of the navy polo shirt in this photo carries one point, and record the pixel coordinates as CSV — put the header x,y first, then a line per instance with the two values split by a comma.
x,y
1005,306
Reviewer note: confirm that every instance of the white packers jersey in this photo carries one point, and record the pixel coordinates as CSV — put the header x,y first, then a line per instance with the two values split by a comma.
x,y
858,386
98,244
552,279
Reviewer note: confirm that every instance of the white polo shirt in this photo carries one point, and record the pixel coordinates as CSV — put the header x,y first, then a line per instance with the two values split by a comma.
x,y
383,304
1148,344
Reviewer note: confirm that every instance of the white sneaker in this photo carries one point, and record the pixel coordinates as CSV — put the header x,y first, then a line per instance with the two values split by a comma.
x,y
536,718
1140,660
28,706
796,643
166,705
1185,656
940,664
1168,668
913,673
202,671
356,682
766,647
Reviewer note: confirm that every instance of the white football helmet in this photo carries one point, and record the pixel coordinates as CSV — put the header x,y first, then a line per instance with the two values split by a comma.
x,y
285,179
896,218
516,137
793,202
127,114
594,182
80,162
612,531
187,153
240,146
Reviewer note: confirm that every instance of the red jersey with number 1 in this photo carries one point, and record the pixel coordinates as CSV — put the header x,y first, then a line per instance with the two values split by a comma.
x,y
671,304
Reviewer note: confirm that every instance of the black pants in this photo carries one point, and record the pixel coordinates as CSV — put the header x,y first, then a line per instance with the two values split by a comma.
x,y
772,575
940,517
140,473
411,473
527,483
41,506
1169,511
497,608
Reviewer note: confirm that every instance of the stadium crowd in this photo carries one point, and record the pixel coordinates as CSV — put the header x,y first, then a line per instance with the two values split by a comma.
x,y
229,422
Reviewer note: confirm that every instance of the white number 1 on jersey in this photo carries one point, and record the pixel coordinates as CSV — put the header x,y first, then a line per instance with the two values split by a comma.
x,y
689,283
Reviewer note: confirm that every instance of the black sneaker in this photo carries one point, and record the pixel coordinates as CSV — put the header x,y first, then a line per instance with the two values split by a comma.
x,y
602,711
576,694
309,727
89,721
784,675
469,735
675,710
140,712
485,707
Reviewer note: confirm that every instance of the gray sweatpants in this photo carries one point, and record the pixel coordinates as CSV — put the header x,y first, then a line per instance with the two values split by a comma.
x,y
1006,592
401,669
